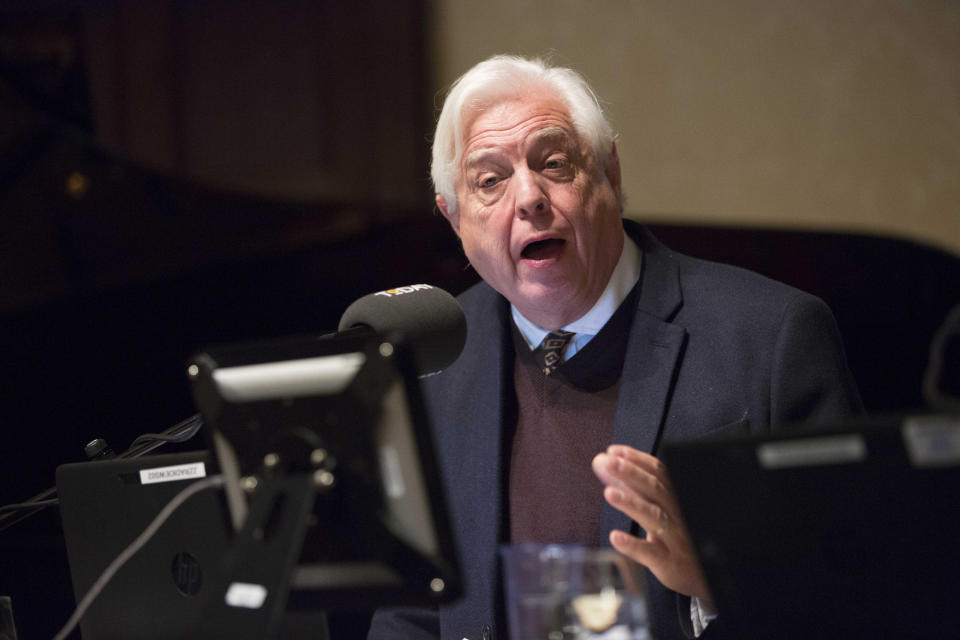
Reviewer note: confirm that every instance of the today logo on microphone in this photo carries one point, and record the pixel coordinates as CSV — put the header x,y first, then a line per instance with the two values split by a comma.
x,y
402,290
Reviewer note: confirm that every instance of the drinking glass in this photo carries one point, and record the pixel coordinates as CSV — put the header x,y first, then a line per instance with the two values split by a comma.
x,y
570,592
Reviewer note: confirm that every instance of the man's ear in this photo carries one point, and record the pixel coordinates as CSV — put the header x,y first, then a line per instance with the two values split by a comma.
x,y
612,170
453,217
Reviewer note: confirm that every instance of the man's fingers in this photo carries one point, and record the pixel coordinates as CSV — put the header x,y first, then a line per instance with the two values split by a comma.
x,y
647,514
621,472
682,575
648,553
645,461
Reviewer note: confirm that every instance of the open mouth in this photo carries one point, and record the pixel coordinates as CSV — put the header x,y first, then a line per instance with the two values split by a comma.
x,y
543,249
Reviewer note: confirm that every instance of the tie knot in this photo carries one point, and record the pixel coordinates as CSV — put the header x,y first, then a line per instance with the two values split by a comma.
x,y
550,351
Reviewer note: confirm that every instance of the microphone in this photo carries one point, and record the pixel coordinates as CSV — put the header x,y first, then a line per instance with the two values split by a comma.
x,y
428,321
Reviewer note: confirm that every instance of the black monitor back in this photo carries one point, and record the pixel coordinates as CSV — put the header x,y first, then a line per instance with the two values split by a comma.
x,y
843,533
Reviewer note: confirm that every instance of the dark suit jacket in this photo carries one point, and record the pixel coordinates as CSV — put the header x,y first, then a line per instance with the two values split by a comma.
x,y
713,349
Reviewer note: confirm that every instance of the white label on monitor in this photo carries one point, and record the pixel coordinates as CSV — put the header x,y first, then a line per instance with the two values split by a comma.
x,y
323,375
245,595
191,471
809,452
392,472
932,441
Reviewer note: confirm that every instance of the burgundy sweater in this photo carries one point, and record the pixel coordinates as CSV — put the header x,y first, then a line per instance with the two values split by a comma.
x,y
563,421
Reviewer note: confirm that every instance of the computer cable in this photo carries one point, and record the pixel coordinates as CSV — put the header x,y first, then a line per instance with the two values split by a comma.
x,y
139,542
180,432
33,504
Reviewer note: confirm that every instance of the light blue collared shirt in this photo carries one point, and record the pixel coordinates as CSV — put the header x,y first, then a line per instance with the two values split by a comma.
x,y
625,275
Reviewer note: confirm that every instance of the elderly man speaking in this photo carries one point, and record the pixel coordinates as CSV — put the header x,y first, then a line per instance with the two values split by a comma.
x,y
590,343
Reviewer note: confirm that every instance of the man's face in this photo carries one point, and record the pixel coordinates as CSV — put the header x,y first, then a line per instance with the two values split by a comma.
x,y
538,216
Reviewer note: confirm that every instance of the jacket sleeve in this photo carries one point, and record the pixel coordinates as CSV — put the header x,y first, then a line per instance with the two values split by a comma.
x,y
809,379
405,624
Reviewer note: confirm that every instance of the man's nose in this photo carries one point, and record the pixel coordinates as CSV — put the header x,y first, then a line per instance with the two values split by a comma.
x,y
531,198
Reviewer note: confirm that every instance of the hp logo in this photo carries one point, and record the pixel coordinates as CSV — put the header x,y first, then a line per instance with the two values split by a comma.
x,y
187,574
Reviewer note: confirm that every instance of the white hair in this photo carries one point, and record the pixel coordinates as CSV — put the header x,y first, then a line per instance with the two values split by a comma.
x,y
502,78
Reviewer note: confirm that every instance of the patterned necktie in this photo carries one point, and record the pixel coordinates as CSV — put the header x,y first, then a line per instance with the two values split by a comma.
x,y
550,352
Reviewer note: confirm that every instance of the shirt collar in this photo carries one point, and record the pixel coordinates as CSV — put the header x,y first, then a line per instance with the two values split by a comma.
x,y
625,275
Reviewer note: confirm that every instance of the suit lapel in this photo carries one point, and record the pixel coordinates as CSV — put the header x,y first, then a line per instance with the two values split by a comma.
x,y
653,353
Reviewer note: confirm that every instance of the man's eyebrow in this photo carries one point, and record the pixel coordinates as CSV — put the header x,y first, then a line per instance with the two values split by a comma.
x,y
474,158
555,133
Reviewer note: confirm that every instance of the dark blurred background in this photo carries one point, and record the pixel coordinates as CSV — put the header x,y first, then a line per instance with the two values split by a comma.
x,y
180,174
